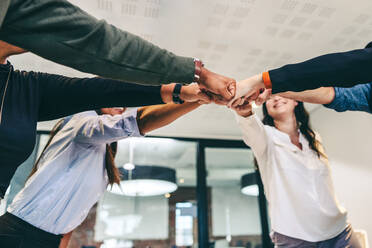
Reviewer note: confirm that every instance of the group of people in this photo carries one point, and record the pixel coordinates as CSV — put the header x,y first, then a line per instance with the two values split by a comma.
x,y
77,164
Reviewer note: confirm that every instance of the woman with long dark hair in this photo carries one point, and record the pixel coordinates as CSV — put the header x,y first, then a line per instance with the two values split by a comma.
x,y
74,170
29,97
303,207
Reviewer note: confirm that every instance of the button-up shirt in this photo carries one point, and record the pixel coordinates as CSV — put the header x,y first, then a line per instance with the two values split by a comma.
x,y
71,174
297,184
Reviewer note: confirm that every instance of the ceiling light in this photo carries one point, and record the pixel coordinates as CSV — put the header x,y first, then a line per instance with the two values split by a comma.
x,y
145,180
129,166
249,184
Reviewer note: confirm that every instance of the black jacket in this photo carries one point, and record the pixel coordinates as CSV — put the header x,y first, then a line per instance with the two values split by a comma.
x,y
31,97
337,69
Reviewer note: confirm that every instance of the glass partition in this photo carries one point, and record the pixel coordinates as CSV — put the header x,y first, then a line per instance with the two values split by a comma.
x,y
146,216
234,214
170,218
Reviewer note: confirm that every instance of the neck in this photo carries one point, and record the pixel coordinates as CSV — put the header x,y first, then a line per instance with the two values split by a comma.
x,y
287,125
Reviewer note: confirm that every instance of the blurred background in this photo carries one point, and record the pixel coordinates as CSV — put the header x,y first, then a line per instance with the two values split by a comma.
x,y
201,157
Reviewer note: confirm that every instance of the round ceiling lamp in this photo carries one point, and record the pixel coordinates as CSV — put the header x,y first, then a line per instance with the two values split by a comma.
x,y
249,184
145,180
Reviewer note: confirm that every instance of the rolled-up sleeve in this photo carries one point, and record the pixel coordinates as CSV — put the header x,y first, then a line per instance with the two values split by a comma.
x,y
357,98
105,128
254,133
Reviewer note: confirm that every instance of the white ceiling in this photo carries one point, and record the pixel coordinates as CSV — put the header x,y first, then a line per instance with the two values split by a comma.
x,y
233,37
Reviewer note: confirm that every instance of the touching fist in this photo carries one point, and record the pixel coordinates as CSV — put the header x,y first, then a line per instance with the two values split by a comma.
x,y
244,110
192,93
247,90
217,84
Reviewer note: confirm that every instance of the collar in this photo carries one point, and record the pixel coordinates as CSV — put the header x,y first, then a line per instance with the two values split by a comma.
x,y
283,139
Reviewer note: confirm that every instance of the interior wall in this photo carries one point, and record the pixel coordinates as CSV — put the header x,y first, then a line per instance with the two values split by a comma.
x,y
347,138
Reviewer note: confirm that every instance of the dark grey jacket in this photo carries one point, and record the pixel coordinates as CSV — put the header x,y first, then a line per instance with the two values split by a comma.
x,y
63,33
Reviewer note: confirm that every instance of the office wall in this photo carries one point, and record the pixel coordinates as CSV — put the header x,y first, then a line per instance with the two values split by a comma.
x,y
347,138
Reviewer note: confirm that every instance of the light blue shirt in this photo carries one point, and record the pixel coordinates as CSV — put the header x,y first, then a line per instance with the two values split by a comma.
x,y
71,175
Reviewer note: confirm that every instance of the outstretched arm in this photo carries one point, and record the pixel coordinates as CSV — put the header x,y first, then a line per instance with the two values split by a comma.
x,y
61,32
60,96
92,129
253,130
345,69
150,118
323,95
357,98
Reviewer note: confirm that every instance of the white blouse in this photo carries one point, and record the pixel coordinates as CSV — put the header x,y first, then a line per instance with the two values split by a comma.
x,y
297,184
71,175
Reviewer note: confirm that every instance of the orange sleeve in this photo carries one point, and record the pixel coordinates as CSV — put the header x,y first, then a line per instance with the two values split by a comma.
x,y
266,79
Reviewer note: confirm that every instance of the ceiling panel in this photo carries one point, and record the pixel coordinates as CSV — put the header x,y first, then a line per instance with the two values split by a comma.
x,y
233,37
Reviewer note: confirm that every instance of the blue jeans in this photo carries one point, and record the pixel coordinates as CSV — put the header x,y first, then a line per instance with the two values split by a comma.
x,y
345,239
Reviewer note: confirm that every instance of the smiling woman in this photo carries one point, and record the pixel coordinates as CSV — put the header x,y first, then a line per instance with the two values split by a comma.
x,y
60,191
29,97
296,176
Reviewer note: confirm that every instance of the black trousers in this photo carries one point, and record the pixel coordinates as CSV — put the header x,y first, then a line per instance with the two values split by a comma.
x,y
16,233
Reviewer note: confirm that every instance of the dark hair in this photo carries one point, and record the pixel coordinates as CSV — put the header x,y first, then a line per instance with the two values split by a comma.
x,y
303,123
111,149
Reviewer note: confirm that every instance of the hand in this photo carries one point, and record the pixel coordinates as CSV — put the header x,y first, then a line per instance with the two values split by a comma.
x,y
244,110
263,97
217,84
192,93
247,90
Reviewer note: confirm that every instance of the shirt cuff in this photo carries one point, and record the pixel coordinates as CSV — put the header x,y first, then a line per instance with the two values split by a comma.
x,y
131,114
266,79
336,100
245,120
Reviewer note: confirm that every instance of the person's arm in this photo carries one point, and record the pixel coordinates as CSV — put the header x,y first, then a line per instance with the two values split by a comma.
x,y
93,129
61,96
4,4
150,118
61,32
344,69
253,130
323,95
357,98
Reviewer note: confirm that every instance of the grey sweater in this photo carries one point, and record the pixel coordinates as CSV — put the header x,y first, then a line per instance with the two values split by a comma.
x,y
65,34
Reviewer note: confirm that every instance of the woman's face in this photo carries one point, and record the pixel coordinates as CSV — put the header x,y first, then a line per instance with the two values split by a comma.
x,y
279,107
112,111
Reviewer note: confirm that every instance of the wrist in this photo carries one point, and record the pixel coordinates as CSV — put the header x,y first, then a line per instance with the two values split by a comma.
x,y
166,92
176,96
265,79
245,115
199,75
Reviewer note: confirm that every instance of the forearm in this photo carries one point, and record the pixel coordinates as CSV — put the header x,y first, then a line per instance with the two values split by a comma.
x,y
338,69
61,96
150,118
254,133
323,95
90,45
